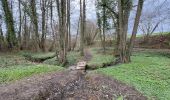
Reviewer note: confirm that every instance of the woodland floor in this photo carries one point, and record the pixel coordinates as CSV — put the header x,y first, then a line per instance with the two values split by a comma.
x,y
69,85
77,85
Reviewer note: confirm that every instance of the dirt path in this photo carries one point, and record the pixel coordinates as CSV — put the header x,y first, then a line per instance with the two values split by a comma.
x,y
68,85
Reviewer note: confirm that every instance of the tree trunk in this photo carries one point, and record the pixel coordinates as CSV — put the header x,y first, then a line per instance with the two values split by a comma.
x,y
20,22
53,45
82,25
122,46
1,34
11,36
135,28
68,25
63,33
99,22
81,30
26,33
124,7
104,26
43,10
35,25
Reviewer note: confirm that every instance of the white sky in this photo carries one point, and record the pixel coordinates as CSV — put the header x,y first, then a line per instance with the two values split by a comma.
x,y
90,8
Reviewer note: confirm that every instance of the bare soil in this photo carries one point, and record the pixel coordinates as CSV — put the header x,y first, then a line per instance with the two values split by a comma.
x,y
68,85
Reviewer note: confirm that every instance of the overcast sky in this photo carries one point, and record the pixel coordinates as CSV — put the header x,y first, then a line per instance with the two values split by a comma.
x,y
90,11
159,7
90,7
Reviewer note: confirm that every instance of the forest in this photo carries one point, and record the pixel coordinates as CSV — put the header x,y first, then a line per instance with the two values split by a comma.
x,y
84,50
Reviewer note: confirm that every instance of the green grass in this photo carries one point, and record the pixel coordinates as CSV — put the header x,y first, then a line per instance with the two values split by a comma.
x,y
43,55
52,61
13,66
38,55
18,72
148,73
98,59
73,57
9,59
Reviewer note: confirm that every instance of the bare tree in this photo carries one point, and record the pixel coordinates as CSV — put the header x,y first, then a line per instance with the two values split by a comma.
x,y
124,11
11,36
63,33
104,26
43,12
26,35
68,25
135,28
1,34
20,22
34,20
53,45
82,25
91,32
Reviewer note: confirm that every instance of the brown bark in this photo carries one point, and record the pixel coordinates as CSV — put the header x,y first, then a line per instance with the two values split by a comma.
x,y
81,30
26,36
11,36
135,28
1,34
82,25
124,12
104,27
20,22
122,51
53,45
68,25
35,25
63,33
43,10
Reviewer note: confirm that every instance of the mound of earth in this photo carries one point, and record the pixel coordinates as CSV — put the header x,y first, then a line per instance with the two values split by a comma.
x,y
68,85
154,42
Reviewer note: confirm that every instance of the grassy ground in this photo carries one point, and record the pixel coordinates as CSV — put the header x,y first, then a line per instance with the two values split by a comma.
x,y
37,55
18,72
148,73
99,59
73,57
14,67
42,55
8,60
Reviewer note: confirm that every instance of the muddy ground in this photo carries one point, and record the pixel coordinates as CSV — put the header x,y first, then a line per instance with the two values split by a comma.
x,y
69,85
